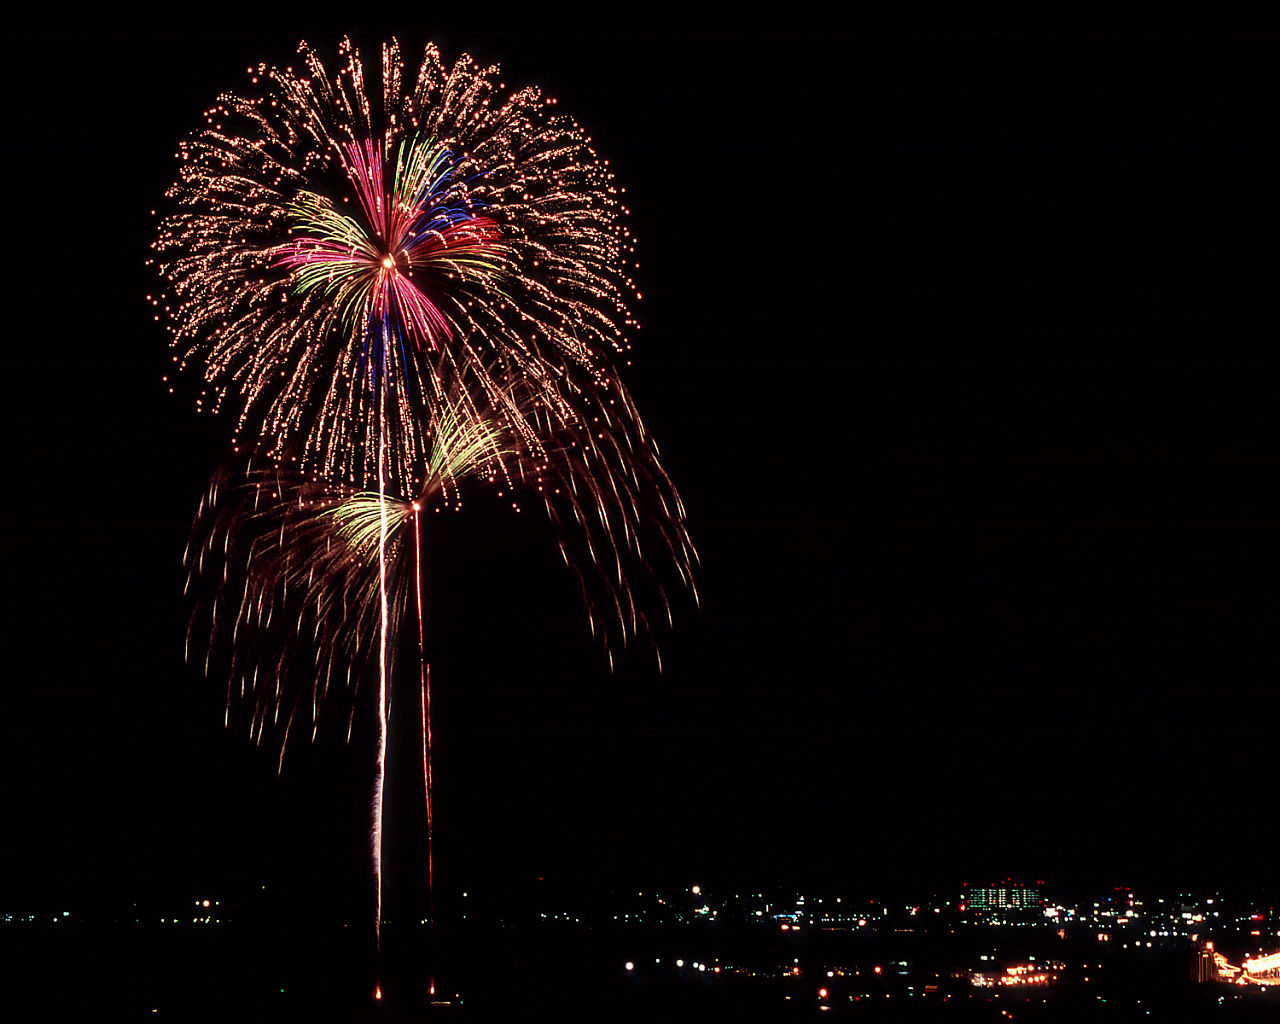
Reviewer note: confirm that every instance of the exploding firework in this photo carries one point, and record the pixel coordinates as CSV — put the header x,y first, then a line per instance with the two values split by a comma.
x,y
324,255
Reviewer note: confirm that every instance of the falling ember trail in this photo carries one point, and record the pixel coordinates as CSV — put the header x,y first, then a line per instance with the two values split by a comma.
x,y
380,783
424,678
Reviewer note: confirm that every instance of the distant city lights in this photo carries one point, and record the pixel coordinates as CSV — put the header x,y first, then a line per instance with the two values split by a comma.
x,y
1227,941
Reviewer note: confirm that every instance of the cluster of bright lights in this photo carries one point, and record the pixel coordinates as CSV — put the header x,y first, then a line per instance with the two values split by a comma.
x,y
1225,969
1018,975
1263,970
1263,963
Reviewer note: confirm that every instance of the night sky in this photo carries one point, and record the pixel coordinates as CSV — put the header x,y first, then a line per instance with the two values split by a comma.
x,y
960,349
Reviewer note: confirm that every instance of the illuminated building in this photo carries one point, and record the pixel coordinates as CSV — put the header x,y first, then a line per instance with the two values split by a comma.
x,y
1003,901
1263,970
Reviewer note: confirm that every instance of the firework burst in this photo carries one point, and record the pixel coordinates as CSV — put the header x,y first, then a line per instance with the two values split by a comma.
x,y
319,245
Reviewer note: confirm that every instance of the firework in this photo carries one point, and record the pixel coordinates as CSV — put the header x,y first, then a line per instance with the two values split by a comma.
x,y
318,247
294,560
398,303
296,568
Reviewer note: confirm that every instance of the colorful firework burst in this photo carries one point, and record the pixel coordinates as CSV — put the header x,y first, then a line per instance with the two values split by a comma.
x,y
319,246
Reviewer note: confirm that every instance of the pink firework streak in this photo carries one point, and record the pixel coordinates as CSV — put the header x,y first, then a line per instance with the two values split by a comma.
x,y
372,270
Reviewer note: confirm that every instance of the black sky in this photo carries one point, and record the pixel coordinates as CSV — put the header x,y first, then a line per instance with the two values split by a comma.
x,y
958,347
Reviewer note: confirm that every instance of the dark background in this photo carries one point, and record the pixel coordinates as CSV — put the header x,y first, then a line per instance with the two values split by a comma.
x,y
959,347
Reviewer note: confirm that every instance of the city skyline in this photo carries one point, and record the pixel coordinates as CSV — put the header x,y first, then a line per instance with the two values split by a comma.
x,y
953,955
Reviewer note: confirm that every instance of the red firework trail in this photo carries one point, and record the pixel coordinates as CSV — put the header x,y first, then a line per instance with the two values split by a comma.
x,y
424,681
